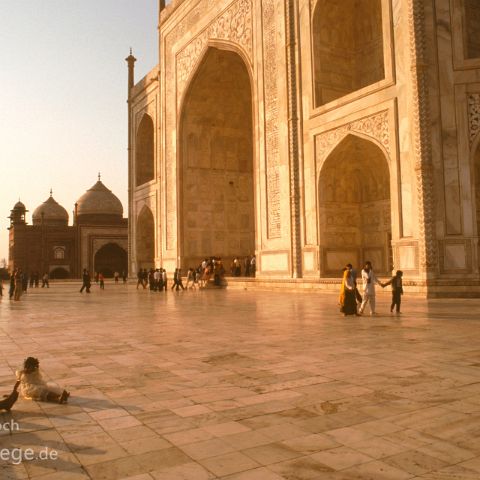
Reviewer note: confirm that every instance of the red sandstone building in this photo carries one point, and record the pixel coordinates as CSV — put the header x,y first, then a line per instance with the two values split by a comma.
x,y
97,240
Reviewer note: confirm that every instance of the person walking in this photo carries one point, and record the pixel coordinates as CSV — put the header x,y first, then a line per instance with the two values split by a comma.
x,y
101,280
140,279
246,266
86,282
253,266
116,276
354,274
25,282
45,282
11,290
156,278
369,280
397,291
164,279
177,280
190,278
124,277
18,285
151,279
347,301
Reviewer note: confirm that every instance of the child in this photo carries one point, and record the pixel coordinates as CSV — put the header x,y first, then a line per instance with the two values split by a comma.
x,y
34,387
397,290
101,279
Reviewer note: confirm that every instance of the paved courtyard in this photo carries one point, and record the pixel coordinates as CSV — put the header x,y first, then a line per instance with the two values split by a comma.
x,y
242,386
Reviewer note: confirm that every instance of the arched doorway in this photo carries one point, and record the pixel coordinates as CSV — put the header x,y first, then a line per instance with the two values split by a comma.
x,y
216,162
59,273
355,207
109,259
144,151
347,47
145,239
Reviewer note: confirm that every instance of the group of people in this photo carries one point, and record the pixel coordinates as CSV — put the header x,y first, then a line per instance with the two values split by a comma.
x,y
19,282
353,303
155,279
249,266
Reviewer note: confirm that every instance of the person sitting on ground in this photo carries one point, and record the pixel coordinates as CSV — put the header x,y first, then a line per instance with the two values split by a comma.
x,y
34,387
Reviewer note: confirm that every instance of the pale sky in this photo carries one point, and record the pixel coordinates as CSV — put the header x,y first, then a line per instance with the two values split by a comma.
x,y
63,87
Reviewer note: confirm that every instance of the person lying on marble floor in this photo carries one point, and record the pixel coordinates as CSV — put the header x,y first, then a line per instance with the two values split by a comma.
x,y
34,387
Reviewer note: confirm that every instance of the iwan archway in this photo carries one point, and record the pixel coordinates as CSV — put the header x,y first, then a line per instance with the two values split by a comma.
x,y
355,208
216,183
109,259
145,239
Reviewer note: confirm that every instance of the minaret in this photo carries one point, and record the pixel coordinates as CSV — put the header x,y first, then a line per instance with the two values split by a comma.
x,y
131,70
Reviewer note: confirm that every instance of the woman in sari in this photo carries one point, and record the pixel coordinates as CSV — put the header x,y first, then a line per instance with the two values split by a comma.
x,y
348,303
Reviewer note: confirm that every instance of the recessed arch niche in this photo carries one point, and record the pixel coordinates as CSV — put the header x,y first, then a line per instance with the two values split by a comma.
x,y
355,207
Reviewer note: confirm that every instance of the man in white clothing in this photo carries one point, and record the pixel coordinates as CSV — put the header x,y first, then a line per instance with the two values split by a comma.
x,y
369,280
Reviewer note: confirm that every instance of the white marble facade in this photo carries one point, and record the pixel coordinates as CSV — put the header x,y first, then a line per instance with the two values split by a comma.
x,y
313,134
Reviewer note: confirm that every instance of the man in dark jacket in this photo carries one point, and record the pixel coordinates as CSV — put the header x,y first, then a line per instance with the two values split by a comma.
x,y
86,282
397,290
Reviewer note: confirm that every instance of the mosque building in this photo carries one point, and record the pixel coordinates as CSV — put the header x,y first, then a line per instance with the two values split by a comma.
x,y
97,239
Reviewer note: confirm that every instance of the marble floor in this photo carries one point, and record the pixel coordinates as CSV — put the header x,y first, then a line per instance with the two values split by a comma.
x,y
241,385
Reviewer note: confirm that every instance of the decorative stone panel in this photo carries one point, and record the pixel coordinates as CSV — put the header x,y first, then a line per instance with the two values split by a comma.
x,y
375,126
270,56
473,116
421,134
234,25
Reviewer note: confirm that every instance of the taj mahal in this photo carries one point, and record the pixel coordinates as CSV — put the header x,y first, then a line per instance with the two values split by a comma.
x,y
311,133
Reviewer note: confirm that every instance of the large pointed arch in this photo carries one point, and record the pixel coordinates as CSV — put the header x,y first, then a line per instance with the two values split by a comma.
x,y
216,161
145,151
110,258
354,206
145,238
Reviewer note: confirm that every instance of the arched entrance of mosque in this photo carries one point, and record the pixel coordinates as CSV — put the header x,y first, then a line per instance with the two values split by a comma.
x,y
216,181
347,47
59,273
355,208
109,259
145,239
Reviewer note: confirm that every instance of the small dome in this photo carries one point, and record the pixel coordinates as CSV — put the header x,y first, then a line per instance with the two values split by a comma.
x,y
19,206
50,212
99,200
